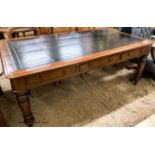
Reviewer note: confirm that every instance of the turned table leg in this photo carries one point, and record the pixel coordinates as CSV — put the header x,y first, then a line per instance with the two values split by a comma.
x,y
1,92
140,68
24,104
2,120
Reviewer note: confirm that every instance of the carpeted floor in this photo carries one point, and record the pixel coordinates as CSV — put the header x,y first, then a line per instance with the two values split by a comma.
x,y
104,97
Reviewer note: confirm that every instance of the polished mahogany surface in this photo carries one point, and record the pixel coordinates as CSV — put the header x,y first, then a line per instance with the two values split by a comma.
x,y
33,52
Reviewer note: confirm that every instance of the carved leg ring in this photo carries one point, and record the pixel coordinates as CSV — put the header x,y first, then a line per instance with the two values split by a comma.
x,y
140,68
24,104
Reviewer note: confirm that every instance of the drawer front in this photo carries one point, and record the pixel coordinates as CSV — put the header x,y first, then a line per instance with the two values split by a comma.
x,y
59,73
50,75
135,53
99,63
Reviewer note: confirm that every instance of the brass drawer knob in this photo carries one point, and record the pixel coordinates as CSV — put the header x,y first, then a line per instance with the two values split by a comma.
x,y
90,65
63,71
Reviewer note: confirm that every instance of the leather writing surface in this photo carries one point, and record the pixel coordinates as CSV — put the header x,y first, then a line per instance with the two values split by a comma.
x,y
33,52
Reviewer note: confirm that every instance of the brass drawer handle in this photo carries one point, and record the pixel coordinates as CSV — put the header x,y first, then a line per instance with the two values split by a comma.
x,y
63,71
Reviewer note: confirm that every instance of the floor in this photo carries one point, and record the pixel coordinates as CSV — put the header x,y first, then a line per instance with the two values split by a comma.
x,y
104,97
148,122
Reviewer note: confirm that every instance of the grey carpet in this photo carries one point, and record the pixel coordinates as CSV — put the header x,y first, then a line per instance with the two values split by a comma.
x,y
101,98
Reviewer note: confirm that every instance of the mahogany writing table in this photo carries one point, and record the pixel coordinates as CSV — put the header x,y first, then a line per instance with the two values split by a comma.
x,y
40,60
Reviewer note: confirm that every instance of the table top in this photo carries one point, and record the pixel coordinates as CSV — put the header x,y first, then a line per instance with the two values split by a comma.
x,y
36,54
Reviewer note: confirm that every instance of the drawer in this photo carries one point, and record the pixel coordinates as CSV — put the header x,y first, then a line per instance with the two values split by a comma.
x,y
59,73
135,53
99,63
50,75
